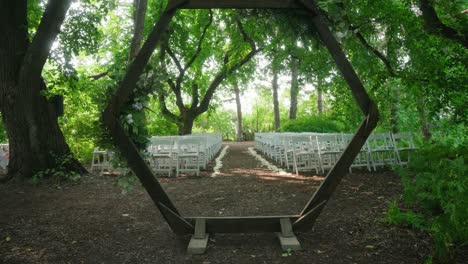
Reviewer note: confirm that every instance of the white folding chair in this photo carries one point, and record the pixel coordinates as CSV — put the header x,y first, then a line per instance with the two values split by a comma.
x,y
188,155
328,150
363,158
161,156
101,160
403,145
382,151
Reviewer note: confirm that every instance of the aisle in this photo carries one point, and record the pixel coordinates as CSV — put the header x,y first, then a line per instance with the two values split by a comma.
x,y
243,186
242,159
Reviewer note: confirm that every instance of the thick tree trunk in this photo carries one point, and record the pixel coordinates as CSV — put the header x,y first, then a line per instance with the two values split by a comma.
x,y
275,99
239,130
186,126
36,141
295,64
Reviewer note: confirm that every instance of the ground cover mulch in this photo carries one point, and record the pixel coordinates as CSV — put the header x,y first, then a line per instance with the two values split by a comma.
x,y
93,222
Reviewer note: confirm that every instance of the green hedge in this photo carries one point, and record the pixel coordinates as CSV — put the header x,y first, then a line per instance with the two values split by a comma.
x,y
435,196
315,123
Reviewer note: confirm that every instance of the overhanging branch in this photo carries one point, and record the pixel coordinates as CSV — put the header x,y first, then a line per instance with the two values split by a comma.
x,y
434,26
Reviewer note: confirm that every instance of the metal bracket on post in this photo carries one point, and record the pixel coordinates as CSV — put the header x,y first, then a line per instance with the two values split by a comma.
x,y
199,240
287,238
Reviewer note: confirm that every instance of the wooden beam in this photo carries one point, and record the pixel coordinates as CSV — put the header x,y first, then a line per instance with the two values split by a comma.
x,y
368,107
307,220
239,4
122,141
336,51
178,224
246,224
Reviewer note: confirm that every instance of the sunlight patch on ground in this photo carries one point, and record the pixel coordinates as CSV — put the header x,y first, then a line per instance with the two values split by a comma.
x,y
219,163
266,163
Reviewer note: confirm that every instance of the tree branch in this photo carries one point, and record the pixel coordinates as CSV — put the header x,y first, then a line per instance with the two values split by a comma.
x,y
366,44
200,42
99,75
174,59
195,97
374,50
177,91
37,53
164,110
434,26
219,78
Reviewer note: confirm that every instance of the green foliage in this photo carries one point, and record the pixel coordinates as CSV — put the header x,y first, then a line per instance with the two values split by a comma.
x,y
59,173
435,184
218,121
313,123
395,216
126,181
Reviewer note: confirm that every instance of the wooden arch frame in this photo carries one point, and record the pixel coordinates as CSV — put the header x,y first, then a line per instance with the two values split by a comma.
x,y
285,224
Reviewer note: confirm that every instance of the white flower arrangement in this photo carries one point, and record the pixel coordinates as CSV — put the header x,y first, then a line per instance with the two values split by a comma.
x,y
266,163
219,164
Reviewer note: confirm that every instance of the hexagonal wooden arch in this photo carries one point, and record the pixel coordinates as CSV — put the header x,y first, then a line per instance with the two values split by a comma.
x,y
252,224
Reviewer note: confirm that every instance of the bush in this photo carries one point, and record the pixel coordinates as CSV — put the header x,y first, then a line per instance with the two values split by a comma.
x,y
317,123
436,187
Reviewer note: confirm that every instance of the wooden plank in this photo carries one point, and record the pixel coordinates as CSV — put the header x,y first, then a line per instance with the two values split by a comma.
x,y
178,224
141,169
246,224
340,169
369,109
239,4
307,221
336,51
123,142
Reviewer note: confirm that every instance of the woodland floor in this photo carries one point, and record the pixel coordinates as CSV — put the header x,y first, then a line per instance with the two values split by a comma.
x,y
93,222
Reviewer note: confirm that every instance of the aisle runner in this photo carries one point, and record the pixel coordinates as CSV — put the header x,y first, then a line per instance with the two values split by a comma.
x,y
219,164
266,163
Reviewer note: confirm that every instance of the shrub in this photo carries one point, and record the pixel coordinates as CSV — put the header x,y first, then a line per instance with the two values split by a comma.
x,y
316,123
436,187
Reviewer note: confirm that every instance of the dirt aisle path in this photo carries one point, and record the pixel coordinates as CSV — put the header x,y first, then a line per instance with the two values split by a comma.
x,y
240,162
243,185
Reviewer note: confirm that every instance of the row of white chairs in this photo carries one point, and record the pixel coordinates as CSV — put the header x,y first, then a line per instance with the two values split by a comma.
x,y
184,154
320,151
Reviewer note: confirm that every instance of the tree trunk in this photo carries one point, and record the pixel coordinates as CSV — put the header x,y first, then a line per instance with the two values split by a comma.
x,y
139,14
239,131
36,141
295,63
394,111
275,99
186,125
319,96
425,126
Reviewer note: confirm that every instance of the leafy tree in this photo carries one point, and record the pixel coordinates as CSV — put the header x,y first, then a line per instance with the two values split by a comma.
x,y
191,72
30,120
